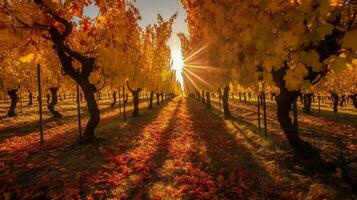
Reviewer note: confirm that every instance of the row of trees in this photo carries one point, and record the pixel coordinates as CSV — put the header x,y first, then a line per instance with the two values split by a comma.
x,y
336,89
110,50
290,45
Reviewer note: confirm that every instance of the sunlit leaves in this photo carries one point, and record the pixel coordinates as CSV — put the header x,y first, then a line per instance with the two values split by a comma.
x,y
294,78
342,79
337,64
113,38
350,41
290,39
271,33
311,59
27,58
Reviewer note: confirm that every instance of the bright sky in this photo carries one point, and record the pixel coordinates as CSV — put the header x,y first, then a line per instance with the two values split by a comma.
x,y
148,11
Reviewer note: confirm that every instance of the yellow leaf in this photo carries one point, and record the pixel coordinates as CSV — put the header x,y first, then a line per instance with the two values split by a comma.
x,y
350,41
311,59
324,30
337,64
28,58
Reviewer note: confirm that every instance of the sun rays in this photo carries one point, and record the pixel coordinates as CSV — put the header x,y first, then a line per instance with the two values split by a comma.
x,y
194,74
187,72
191,56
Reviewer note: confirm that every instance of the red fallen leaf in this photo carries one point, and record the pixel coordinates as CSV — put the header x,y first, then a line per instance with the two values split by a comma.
x,y
80,175
184,188
136,179
62,169
30,165
119,159
109,166
89,197
125,170
100,193
221,181
104,151
243,185
71,193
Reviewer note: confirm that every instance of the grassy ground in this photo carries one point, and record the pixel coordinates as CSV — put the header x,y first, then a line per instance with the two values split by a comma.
x,y
29,113
321,129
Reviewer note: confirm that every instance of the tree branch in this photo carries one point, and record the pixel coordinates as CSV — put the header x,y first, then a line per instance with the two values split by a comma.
x,y
66,23
24,24
99,89
127,83
350,23
82,59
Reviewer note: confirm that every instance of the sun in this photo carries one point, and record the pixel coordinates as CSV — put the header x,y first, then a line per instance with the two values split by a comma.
x,y
177,62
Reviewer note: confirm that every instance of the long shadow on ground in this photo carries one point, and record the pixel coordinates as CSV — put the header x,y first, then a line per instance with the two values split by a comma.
x,y
28,128
231,158
59,167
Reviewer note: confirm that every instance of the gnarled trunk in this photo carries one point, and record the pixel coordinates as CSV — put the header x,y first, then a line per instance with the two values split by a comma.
x,y
157,98
273,96
151,98
284,106
67,56
135,94
114,99
30,98
203,97
301,97
225,98
198,94
307,102
162,96
302,149
343,100
48,98
208,100
354,100
52,104
89,91
14,98
335,98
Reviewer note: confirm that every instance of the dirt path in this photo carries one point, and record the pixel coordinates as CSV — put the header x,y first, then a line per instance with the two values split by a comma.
x,y
181,151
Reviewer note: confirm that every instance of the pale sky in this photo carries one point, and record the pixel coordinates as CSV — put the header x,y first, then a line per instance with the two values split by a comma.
x,y
148,10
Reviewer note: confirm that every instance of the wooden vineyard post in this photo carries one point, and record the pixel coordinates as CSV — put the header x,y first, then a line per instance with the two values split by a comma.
x,y
295,114
147,98
258,97
119,102
79,111
220,101
124,102
21,105
40,101
265,115
319,99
